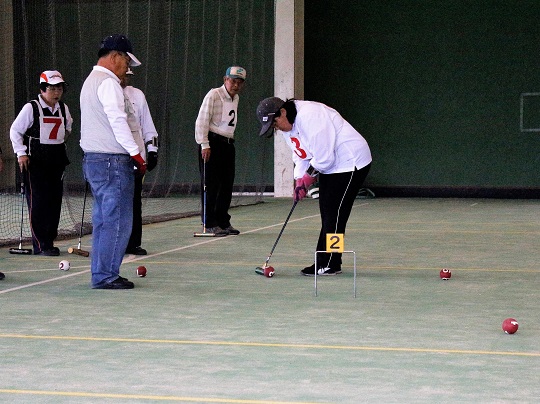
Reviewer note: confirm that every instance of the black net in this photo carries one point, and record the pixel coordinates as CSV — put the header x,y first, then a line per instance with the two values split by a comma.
x,y
185,48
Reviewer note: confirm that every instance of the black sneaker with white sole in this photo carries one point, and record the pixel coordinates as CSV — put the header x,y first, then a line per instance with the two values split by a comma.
x,y
310,271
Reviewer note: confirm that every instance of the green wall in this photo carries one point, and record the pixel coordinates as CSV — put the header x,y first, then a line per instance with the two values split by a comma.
x,y
184,46
435,88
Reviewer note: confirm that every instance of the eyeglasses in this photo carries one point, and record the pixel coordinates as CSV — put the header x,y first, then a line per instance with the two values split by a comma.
x,y
55,88
125,56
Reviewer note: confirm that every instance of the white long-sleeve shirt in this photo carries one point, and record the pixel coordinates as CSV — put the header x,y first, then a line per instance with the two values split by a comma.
x,y
25,120
142,111
320,137
104,127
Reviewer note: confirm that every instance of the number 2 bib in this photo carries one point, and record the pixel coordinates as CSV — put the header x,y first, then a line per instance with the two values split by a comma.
x,y
228,117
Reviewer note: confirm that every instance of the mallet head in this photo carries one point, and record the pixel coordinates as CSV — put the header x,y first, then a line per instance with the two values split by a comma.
x,y
24,251
266,271
78,251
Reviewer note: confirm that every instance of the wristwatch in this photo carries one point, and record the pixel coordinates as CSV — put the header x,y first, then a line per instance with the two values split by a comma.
x,y
312,172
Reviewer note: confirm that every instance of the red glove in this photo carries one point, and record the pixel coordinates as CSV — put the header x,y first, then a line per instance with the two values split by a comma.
x,y
140,164
302,185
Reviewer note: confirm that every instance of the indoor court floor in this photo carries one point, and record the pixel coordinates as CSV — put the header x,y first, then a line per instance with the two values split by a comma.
x,y
203,327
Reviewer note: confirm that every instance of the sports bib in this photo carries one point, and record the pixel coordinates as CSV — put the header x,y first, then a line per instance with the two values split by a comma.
x,y
51,128
228,117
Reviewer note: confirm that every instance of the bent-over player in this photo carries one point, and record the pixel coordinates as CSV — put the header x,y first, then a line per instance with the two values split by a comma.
x,y
323,144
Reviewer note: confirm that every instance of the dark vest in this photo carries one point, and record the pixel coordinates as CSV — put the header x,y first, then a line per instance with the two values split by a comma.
x,y
45,154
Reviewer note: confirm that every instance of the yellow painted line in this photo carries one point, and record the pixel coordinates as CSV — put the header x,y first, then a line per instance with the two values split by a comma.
x,y
272,345
382,268
144,397
439,231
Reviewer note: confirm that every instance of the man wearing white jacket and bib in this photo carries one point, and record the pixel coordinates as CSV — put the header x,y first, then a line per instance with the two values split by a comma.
x,y
323,144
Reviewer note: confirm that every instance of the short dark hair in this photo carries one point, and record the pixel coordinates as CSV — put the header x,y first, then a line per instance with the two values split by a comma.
x,y
291,110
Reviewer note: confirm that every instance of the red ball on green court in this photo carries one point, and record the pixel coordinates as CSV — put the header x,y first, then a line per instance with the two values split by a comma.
x,y
445,274
510,325
141,271
269,272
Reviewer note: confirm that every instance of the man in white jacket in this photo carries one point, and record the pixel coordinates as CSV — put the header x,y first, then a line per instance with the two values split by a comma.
x,y
147,138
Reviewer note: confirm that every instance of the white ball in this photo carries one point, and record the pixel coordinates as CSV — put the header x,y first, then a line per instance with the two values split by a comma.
x,y
64,265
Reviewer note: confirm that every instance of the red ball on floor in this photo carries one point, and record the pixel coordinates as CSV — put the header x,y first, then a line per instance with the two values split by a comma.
x,y
269,272
510,325
141,271
445,274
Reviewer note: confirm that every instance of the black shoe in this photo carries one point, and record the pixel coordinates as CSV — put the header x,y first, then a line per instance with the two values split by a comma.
x,y
118,283
310,271
51,252
217,231
231,230
136,251
2,276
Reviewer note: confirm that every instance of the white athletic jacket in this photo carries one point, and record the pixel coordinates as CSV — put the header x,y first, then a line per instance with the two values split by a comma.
x,y
320,137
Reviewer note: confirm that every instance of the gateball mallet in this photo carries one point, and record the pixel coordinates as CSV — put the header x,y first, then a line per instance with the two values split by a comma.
x,y
264,269
204,233
20,250
78,251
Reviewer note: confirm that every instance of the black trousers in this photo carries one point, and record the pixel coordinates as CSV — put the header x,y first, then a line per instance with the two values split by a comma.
x,y
219,173
44,188
337,193
135,239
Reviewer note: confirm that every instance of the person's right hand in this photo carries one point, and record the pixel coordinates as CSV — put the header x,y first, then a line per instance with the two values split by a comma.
x,y
205,153
140,164
24,162
299,192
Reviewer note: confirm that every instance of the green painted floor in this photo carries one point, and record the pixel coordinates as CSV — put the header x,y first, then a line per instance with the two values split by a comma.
x,y
203,327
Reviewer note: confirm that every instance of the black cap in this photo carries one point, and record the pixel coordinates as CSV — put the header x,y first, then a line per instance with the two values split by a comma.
x,y
266,111
121,43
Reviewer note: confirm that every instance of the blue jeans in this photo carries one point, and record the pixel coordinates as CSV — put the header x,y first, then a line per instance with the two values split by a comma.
x,y
111,179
